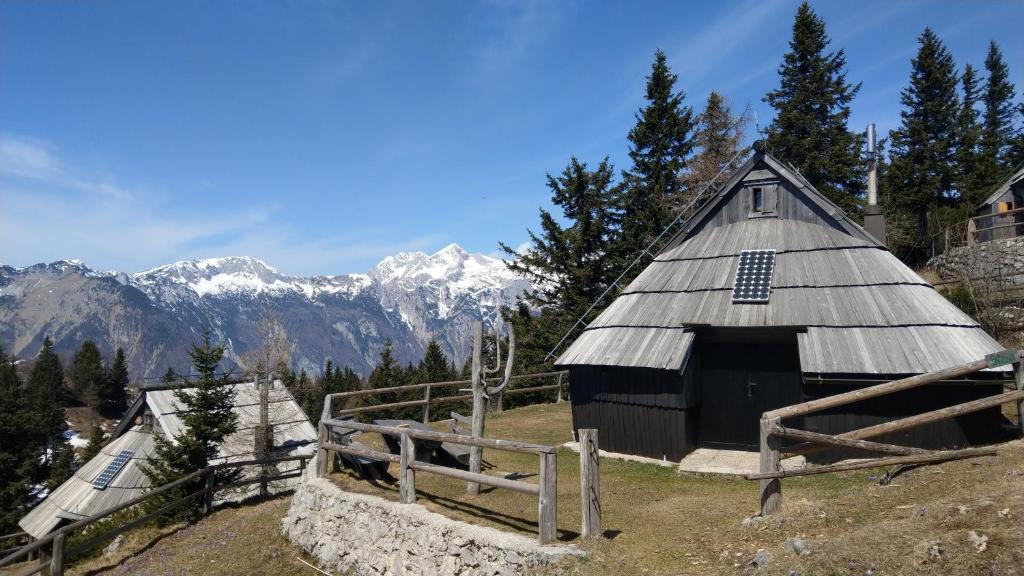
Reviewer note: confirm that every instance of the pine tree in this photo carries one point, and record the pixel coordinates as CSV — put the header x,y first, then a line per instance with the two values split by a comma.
x,y
717,139
997,134
114,395
63,465
434,367
208,419
812,107
968,186
96,438
19,455
1016,154
45,386
388,371
569,265
169,377
88,375
659,146
922,171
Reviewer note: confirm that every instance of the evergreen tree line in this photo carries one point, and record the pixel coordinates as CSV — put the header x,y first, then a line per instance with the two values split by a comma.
x,y
35,456
959,137
309,391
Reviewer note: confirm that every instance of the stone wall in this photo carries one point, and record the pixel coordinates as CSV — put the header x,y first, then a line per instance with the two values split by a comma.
x,y
361,534
1002,258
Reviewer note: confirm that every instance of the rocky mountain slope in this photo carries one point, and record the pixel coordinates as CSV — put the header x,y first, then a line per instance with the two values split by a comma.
x,y
407,298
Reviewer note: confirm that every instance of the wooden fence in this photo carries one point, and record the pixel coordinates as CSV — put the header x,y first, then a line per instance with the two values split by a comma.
x,y
772,430
545,490
53,550
970,231
336,399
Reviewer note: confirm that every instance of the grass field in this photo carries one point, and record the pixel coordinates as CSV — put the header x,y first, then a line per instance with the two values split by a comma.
x,y
660,522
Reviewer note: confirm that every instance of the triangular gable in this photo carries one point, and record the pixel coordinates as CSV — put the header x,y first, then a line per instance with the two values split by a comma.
x,y
806,192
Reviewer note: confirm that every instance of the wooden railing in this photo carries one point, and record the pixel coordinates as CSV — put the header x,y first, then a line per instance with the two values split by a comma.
x,y
968,232
545,490
52,548
772,430
335,399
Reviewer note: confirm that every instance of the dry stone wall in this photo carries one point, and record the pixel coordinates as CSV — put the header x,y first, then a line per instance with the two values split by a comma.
x,y
361,534
1001,258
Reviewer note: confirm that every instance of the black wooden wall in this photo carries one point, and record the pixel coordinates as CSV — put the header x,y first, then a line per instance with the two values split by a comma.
x,y
639,411
982,427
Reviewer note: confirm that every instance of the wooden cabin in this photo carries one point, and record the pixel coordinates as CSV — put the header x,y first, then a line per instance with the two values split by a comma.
x,y
115,474
1001,215
769,296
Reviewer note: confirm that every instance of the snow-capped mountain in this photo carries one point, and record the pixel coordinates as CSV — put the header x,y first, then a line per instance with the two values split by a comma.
x,y
406,298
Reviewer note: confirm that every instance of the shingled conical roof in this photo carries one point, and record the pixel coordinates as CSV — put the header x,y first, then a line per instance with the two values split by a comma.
x,y
856,307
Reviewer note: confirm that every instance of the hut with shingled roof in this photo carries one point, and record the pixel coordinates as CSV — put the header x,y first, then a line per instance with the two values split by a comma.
x,y
771,295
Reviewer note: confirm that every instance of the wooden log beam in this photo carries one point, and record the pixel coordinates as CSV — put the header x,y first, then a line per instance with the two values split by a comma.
x,y
533,389
57,556
930,458
1018,376
364,452
406,475
832,440
547,506
495,443
459,474
990,361
771,488
590,483
920,419
83,546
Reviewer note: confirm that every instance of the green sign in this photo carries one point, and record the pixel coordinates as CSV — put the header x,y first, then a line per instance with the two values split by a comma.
x,y
1001,358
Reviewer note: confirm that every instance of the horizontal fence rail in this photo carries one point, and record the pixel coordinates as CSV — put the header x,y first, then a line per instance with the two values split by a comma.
x,y
333,400
545,490
772,430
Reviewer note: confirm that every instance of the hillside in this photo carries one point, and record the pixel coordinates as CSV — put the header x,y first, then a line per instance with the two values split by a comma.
x,y
407,298
657,521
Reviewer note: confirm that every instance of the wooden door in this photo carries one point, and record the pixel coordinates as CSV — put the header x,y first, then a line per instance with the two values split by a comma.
x,y
739,382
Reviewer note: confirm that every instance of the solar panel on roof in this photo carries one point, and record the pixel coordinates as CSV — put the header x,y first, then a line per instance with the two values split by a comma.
x,y
115,466
754,276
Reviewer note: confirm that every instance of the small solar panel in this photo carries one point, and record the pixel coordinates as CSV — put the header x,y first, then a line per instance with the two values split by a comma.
x,y
754,276
115,466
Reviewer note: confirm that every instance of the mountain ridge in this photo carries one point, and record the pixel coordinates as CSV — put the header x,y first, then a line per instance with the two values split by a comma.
x,y
406,298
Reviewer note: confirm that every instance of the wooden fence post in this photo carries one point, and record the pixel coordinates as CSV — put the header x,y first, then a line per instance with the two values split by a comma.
x,y
558,400
476,453
590,483
321,454
547,500
406,475
211,478
426,405
57,557
771,490
1018,374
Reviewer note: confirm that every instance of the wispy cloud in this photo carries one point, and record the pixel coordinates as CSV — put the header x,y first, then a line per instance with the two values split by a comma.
x,y
46,214
519,27
36,159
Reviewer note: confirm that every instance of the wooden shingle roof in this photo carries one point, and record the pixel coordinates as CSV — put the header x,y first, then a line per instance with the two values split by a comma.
x,y
859,310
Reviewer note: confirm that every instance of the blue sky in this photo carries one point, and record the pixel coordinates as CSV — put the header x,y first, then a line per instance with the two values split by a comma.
x,y
322,136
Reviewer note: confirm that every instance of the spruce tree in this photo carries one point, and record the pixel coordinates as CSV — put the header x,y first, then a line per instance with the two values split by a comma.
x,y
569,265
717,139
812,107
88,375
969,188
659,146
19,453
45,396
1016,153
922,171
434,367
997,134
114,396
63,465
208,420
388,371
169,377
96,438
